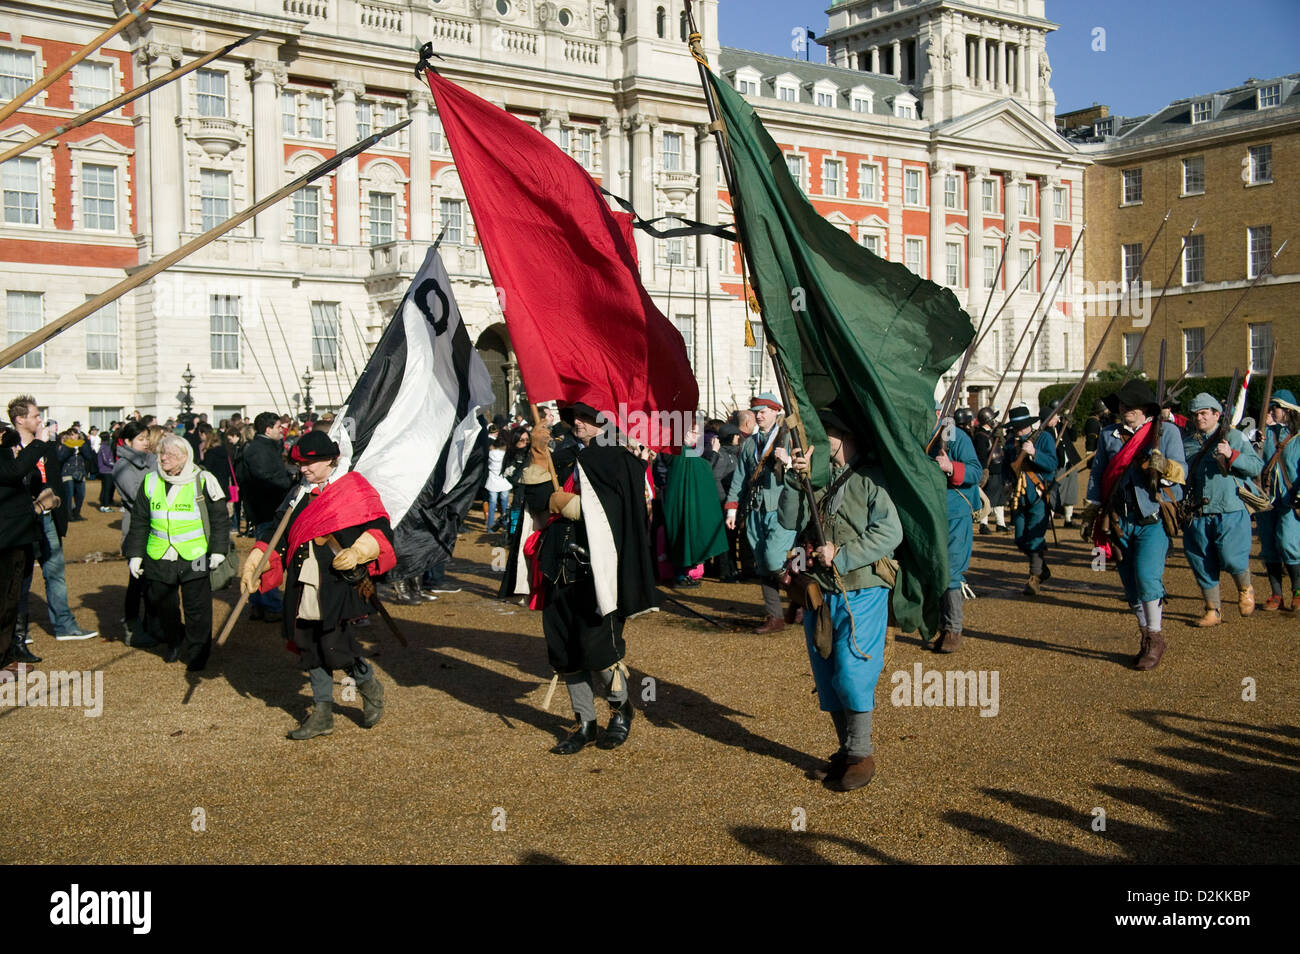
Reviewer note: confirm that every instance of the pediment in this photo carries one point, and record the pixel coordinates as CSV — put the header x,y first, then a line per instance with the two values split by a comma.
x,y
1004,123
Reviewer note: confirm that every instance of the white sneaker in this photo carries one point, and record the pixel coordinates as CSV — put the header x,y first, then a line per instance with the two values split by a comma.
x,y
79,633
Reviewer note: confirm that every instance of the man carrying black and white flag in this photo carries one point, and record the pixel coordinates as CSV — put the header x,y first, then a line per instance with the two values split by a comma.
x,y
411,426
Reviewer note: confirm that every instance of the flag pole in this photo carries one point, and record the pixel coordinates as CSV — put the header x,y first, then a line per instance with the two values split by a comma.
x,y
66,321
799,437
45,81
950,396
129,96
275,358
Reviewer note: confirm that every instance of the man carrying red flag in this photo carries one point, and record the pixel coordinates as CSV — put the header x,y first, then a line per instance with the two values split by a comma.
x,y
339,533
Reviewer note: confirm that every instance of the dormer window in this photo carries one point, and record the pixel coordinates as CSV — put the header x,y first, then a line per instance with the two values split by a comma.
x,y
1105,127
787,88
1201,111
748,88
825,99
825,93
1270,96
861,99
904,106
747,81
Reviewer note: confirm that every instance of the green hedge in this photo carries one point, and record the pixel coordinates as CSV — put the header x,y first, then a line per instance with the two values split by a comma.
x,y
1217,387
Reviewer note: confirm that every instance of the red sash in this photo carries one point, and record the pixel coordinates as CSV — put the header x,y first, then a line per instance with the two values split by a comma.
x,y
531,549
345,502
1114,471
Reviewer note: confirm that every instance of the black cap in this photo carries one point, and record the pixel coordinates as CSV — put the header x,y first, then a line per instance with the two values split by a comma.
x,y
313,446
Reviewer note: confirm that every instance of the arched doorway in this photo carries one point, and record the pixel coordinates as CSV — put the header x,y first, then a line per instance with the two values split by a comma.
x,y
494,347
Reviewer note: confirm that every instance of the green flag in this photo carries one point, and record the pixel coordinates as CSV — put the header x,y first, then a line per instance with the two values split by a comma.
x,y
847,324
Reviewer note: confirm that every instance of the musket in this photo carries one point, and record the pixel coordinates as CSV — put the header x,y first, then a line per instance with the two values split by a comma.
x,y
92,305
1153,443
1268,391
129,96
1030,323
993,322
1174,390
257,361
950,398
275,358
1137,352
1225,424
16,103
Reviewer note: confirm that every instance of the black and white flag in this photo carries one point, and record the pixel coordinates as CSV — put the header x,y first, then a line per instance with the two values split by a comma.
x,y
411,426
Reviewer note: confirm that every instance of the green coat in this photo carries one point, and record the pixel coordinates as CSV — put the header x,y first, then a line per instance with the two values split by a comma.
x,y
863,525
692,515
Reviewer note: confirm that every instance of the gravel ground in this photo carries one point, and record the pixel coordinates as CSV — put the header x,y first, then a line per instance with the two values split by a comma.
x,y
1183,768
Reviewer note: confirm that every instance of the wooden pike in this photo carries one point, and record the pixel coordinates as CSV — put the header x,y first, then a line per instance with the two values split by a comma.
x,y
66,321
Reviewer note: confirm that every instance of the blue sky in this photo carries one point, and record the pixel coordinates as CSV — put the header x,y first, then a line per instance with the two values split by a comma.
x,y
1156,50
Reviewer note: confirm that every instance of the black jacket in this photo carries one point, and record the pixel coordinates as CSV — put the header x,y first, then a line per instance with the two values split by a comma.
x,y
20,482
54,480
266,479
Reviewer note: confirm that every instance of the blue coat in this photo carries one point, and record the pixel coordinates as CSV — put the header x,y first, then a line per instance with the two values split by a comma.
x,y
1288,466
768,539
1134,479
964,484
1206,484
1043,463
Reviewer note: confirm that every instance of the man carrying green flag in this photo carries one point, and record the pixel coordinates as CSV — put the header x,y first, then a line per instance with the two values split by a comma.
x,y
852,328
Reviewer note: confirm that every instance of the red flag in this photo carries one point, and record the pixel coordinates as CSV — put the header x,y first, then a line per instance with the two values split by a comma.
x,y
582,324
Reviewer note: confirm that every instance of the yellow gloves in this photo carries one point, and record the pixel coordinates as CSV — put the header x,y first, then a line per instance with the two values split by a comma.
x,y
365,549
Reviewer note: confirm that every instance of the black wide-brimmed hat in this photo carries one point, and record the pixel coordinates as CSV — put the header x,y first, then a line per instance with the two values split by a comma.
x,y
832,421
1020,417
313,446
1048,411
1133,393
579,410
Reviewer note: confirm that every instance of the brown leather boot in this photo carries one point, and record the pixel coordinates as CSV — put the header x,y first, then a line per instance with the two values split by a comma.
x,y
1143,645
948,642
1155,649
1212,617
857,773
1246,601
1032,587
770,625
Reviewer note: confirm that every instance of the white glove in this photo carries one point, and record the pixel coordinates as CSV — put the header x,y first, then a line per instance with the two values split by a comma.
x,y
136,566
215,560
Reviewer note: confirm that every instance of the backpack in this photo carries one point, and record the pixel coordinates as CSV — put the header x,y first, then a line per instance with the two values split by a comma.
x,y
223,575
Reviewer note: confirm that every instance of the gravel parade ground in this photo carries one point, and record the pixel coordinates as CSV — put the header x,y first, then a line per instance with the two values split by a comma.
x,y
177,769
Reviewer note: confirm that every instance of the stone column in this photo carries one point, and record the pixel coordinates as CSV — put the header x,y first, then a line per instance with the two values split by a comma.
x,y
166,158
706,149
1000,66
1047,226
975,241
420,208
143,154
875,59
938,222
642,165
268,152
552,120
611,156
347,182
898,59
1012,219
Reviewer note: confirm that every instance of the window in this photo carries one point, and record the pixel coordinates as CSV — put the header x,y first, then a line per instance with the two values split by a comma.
x,y
1058,204
1194,175
756,353
1260,249
19,181
1132,357
584,148
17,72
826,99
102,417
451,213
314,117
306,215
324,335
1059,265
1261,346
381,217
99,197
673,152
363,121
289,113
796,166
214,197
212,92
1270,95
1194,260
1104,127
1201,111
869,182
1261,164
1193,344
686,325
503,7
787,94
990,265
952,273
101,339
24,317
661,23
437,139
748,88
905,111
1027,267
870,242
389,114
1131,256
911,187
914,255
1132,186
566,18
674,248
223,332
951,193
989,194
1026,200
830,177
92,85
861,104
